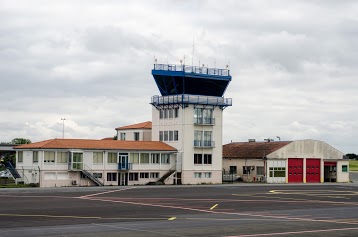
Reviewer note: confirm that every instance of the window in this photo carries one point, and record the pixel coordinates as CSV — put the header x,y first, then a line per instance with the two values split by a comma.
x,y
62,157
207,159
112,158
35,156
176,112
144,158
197,175
133,177
97,175
20,156
247,169
203,116
171,113
144,175
207,138
154,175
155,158
165,135
49,156
77,159
176,136
161,113
161,136
278,172
344,168
97,157
233,169
134,158
111,176
207,175
198,159
171,135
259,170
136,136
166,112
165,159
123,136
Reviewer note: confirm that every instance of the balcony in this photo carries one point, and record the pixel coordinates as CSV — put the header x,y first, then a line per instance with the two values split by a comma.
x,y
204,144
124,166
192,69
204,121
191,99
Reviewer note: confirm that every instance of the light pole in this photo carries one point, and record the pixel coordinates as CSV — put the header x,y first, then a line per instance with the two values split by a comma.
x,y
63,127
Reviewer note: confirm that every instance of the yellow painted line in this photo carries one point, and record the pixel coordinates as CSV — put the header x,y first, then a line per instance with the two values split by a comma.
x,y
211,208
172,218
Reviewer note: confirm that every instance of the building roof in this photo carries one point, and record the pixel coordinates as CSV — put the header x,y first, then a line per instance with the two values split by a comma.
x,y
98,145
251,149
144,125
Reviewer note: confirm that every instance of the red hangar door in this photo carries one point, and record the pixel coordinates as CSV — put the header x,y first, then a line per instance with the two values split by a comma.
x,y
313,170
295,170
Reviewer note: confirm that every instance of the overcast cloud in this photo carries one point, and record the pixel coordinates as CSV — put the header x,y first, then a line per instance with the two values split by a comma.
x,y
293,64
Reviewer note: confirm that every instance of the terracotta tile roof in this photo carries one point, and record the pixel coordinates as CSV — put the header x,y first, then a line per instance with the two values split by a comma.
x,y
98,145
251,149
144,125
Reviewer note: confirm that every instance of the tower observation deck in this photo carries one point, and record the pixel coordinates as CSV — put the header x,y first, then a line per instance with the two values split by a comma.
x,y
183,84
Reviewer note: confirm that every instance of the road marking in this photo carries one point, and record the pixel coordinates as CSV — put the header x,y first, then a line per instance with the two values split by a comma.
x,y
53,216
211,208
294,232
96,194
172,218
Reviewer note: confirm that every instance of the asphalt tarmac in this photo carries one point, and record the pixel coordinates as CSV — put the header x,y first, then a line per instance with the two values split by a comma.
x,y
213,210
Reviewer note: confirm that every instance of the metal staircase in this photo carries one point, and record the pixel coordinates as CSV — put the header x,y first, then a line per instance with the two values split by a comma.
x,y
170,172
12,170
89,174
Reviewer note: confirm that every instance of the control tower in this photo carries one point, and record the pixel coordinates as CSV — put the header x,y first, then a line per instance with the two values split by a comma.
x,y
188,116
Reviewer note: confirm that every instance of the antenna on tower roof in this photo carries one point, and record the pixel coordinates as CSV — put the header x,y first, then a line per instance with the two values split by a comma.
x,y
192,58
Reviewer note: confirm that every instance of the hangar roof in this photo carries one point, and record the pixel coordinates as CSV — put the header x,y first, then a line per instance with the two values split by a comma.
x,y
252,149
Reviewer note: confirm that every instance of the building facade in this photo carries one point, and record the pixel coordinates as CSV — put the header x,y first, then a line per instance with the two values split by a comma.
x,y
304,161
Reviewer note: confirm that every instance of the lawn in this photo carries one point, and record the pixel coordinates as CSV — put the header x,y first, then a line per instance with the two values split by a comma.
x,y
353,165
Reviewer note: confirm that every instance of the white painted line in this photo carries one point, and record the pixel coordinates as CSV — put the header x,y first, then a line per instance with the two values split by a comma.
x,y
96,194
294,232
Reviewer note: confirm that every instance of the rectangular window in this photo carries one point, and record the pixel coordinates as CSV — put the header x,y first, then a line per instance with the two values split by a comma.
x,y
197,175
144,158
176,112
165,159
136,136
198,115
171,135
144,175
133,177
111,176
123,136
171,111
166,135
62,157
134,158
154,175
176,135
97,175
207,159
97,157
161,114
233,170
259,170
112,158
35,156
344,168
77,159
49,156
20,156
207,138
198,159
161,136
278,172
247,169
207,175
166,113
155,158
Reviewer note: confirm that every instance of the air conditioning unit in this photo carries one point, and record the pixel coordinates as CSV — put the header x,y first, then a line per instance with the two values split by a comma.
x,y
74,182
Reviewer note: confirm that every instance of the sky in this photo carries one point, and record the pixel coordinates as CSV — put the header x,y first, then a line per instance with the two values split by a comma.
x,y
293,65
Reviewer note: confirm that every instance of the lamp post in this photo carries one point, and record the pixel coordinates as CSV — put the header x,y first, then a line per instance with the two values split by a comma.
x,y
63,127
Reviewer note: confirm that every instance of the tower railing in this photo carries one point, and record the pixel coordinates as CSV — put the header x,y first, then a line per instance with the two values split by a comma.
x,y
191,99
192,69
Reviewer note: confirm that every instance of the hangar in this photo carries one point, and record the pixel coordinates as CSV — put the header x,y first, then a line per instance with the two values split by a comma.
x,y
303,161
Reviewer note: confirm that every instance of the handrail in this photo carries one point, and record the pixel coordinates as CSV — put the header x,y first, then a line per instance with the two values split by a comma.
x,y
192,69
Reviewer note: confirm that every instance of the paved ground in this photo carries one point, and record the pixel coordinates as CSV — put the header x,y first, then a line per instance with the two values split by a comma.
x,y
222,210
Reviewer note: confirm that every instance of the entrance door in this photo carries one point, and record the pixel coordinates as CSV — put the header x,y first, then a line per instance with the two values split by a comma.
x,y
330,171
123,179
123,162
295,170
313,170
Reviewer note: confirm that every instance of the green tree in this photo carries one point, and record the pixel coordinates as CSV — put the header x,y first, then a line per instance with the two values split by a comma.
x,y
352,156
20,141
